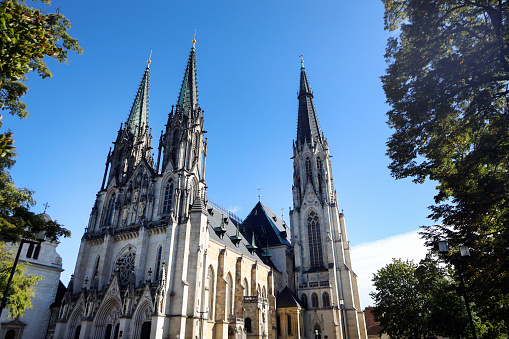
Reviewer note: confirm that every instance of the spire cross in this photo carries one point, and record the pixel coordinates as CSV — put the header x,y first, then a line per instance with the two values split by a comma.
x,y
149,61
194,38
46,205
259,193
282,213
301,56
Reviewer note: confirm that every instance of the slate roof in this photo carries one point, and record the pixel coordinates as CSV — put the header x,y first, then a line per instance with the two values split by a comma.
x,y
286,298
267,227
217,219
307,124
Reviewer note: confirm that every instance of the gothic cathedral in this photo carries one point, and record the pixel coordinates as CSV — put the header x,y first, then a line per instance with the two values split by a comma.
x,y
161,260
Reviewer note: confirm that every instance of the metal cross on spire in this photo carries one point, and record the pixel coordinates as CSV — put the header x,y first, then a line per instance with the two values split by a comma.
x,y
194,38
46,205
259,193
149,61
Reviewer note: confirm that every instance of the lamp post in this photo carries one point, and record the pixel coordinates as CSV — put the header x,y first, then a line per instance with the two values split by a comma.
x,y
40,239
443,248
201,319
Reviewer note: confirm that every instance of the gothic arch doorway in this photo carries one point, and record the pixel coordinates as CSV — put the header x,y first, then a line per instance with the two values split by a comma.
x,y
11,334
145,330
317,332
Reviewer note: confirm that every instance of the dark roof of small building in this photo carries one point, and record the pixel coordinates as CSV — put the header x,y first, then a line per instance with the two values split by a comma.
x,y
286,298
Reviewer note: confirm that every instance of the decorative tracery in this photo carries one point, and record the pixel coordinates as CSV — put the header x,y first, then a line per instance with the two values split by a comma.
x,y
315,240
125,267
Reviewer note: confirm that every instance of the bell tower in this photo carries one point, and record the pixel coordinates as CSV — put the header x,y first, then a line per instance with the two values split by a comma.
x,y
324,279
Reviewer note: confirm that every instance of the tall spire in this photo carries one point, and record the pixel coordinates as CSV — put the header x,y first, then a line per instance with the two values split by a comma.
x,y
308,127
188,97
138,117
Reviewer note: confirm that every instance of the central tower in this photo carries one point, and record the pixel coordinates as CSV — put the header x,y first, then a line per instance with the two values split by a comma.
x,y
324,281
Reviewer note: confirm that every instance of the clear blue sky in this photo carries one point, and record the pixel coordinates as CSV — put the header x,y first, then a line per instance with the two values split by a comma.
x,y
248,69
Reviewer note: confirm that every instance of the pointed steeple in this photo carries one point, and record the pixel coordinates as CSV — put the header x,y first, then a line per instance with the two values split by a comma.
x,y
188,97
138,117
308,128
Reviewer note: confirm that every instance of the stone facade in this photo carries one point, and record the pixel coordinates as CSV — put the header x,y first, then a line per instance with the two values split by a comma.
x,y
43,260
161,260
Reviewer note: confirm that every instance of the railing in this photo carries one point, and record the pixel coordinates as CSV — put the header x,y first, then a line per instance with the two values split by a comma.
x,y
232,216
255,299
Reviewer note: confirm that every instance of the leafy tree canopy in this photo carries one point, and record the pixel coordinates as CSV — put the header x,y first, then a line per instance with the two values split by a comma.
x,y
18,300
27,36
418,301
447,85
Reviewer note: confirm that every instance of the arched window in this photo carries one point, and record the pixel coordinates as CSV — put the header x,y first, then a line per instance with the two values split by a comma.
x,y
209,288
315,240
264,295
319,171
309,172
96,266
304,299
289,323
125,266
245,287
109,211
314,300
168,197
247,325
325,299
229,294
157,266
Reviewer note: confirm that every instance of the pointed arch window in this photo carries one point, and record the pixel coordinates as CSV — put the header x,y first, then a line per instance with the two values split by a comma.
x,y
229,293
319,170
314,300
325,299
96,266
109,211
168,197
157,273
125,267
209,288
309,172
315,240
304,299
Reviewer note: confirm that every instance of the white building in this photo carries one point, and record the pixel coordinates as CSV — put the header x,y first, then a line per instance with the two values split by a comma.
x,y
43,260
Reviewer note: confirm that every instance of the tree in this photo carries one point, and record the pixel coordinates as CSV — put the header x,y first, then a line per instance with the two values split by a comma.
x,y
27,35
21,287
418,301
447,85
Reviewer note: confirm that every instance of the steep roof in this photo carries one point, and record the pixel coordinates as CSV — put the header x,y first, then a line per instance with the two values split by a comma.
x,y
286,298
188,97
308,127
224,230
138,117
267,227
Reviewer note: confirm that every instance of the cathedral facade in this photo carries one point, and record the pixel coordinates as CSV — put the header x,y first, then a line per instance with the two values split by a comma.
x,y
160,260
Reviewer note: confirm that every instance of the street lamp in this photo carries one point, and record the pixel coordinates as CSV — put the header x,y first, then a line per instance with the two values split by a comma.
x,y
40,239
443,248
201,319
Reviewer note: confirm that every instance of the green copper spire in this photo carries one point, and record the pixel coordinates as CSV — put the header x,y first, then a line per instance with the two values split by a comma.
x,y
188,98
308,127
138,117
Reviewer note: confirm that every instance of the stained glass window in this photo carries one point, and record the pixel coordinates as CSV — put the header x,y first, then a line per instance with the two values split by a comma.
x,y
125,266
315,240
168,197
109,212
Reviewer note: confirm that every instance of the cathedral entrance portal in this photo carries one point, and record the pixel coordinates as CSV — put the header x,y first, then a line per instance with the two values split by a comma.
x,y
145,330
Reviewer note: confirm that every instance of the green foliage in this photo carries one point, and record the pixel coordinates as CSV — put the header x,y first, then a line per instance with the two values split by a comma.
x,y
27,35
22,286
418,301
447,85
